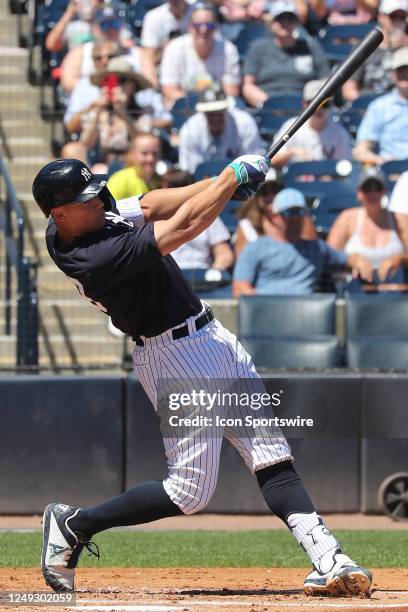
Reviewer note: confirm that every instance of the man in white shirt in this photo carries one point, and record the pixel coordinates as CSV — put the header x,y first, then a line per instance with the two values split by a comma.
x,y
399,197
210,249
216,131
160,24
199,58
319,138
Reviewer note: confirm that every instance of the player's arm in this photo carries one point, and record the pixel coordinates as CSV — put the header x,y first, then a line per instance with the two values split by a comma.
x,y
161,204
198,212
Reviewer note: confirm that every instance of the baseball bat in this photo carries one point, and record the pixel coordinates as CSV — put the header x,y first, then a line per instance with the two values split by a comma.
x,y
363,50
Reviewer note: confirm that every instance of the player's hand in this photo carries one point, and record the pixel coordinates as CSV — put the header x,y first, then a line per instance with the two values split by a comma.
x,y
245,191
250,168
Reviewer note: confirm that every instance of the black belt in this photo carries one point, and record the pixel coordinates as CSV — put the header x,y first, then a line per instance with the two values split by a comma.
x,y
182,332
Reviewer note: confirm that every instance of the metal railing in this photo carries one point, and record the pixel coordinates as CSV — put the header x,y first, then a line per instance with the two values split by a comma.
x,y
20,289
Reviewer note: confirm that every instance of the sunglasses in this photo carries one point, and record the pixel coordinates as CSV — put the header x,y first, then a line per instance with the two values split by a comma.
x,y
209,26
110,25
104,56
286,18
293,212
372,186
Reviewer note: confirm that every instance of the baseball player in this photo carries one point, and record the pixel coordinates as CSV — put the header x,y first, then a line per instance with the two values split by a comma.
x,y
118,256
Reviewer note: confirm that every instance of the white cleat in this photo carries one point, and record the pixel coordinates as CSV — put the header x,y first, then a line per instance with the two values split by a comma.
x,y
345,579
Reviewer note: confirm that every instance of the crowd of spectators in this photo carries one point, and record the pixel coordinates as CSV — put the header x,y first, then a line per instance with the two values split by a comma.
x,y
119,90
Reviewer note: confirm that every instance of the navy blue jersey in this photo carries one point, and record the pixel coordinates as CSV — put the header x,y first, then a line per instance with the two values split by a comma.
x,y
122,272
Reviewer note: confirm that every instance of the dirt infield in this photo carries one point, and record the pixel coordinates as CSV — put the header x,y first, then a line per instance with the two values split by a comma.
x,y
207,589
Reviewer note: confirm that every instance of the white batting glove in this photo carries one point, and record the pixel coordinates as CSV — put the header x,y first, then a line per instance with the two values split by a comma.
x,y
250,168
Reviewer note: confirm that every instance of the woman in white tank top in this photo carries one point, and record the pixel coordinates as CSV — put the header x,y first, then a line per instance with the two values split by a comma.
x,y
371,231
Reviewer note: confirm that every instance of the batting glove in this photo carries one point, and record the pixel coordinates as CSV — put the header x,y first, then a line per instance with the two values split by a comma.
x,y
250,168
244,192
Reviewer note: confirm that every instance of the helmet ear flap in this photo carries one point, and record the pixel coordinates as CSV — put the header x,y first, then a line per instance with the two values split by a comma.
x,y
107,198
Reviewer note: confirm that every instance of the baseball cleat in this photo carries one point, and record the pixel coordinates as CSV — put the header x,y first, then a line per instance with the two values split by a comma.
x,y
345,579
61,547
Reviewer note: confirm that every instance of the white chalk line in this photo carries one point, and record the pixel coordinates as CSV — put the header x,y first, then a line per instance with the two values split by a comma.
x,y
105,605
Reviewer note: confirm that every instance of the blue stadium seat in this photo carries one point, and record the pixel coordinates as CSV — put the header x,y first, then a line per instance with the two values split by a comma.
x,y
352,115
182,109
338,40
392,170
316,179
208,282
328,209
377,352
210,168
275,111
285,315
135,12
377,315
299,352
251,32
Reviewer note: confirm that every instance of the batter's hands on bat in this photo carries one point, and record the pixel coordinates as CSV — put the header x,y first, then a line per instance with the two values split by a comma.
x,y
246,191
250,168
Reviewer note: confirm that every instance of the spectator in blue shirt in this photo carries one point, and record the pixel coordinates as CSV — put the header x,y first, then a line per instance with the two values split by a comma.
x,y
282,263
385,124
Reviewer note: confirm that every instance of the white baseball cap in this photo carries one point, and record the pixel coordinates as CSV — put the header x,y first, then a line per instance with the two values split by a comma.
x,y
311,89
279,7
390,6
400,58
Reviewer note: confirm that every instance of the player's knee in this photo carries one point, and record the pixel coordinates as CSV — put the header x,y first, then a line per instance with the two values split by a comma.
x,y
190,496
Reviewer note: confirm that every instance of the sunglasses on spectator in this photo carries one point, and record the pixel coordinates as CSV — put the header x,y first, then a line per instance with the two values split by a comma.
x,y
286,18
293,212
372,186
209,26
104,56
112,24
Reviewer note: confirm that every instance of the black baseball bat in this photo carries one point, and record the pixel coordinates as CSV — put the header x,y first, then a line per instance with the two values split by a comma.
x,y
363,50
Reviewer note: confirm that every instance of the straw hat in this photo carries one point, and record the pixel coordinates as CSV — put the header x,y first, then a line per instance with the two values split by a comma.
x,y
121,67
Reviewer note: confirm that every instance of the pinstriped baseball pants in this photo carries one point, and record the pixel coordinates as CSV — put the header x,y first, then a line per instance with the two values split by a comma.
x,y
213,353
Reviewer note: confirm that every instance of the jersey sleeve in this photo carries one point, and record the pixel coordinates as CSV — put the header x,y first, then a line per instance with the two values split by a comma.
x,y
130,208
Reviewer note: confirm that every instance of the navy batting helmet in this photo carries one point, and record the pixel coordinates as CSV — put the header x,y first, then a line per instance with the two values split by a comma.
x,y
68,181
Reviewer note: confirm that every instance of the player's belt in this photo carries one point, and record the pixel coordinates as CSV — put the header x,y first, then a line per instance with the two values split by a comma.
x,y
182,332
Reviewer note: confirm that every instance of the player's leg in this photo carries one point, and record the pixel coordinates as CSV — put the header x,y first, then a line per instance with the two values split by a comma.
x,y
192,475
270,460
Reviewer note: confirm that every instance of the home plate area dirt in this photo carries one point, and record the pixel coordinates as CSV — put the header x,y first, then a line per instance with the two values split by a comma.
x,y
206,589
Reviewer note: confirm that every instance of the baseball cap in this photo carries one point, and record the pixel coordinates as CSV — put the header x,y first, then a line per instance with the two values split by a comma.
x,y
108,18
279,7
212,100
400,58
390,6
311,88
372,174
288,198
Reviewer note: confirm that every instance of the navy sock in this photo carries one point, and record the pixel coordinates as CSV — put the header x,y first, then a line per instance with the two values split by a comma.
x,y
283,490
141,504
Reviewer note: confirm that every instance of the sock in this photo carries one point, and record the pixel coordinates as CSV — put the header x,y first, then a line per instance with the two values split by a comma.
x,y
283,490
142,504
286,496
317,541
